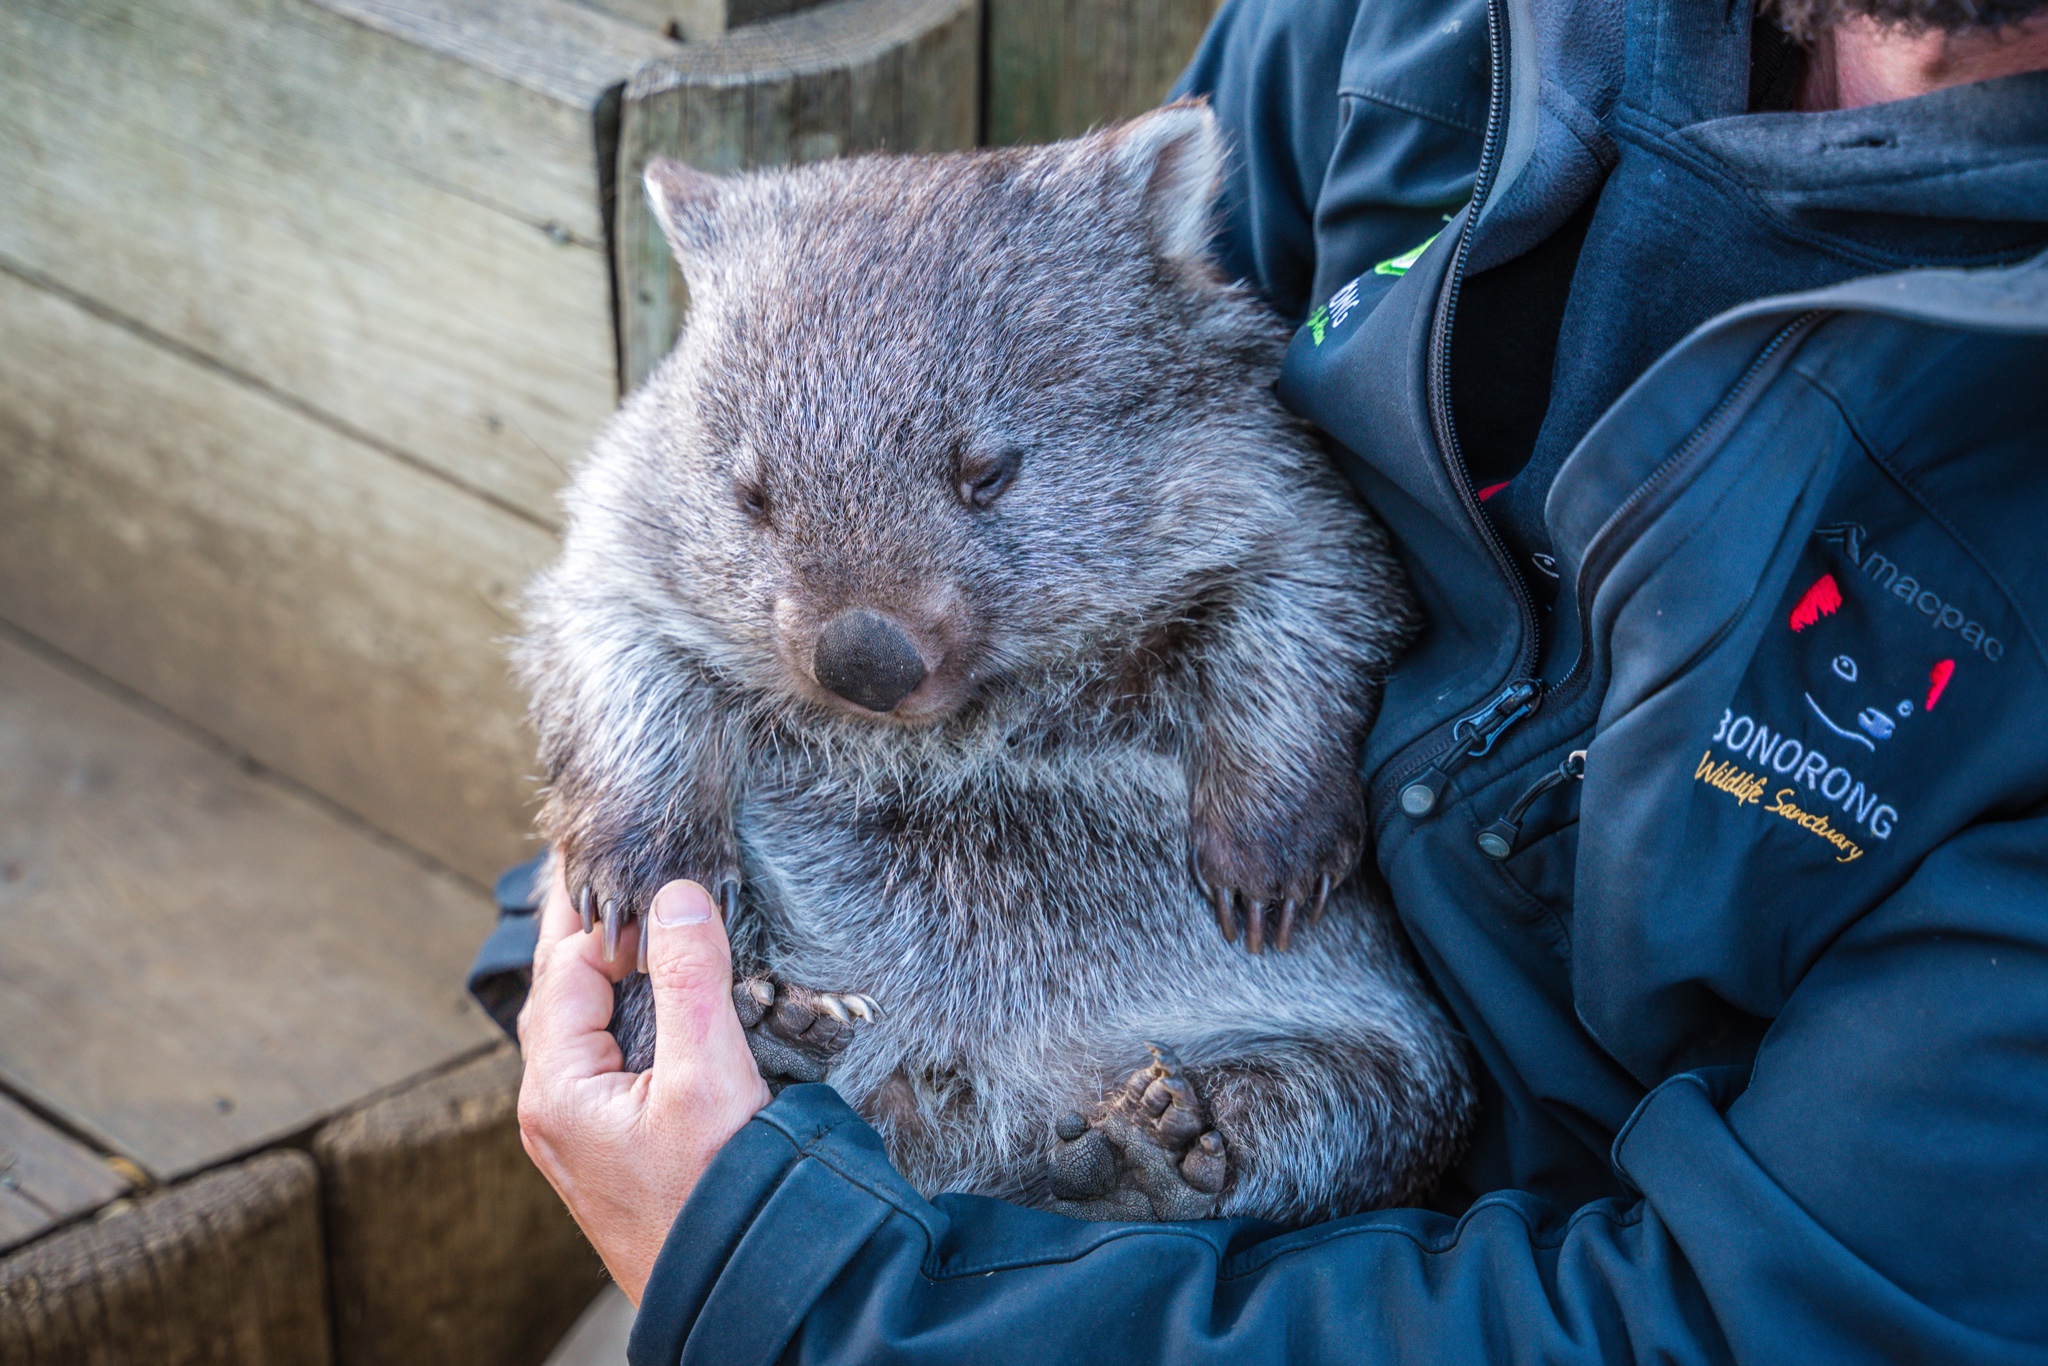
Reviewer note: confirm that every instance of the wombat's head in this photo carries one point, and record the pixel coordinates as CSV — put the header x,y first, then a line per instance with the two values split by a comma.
x,y
936,421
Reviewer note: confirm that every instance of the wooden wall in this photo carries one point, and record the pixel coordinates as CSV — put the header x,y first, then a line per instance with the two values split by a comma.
x,y
1057,68
308,305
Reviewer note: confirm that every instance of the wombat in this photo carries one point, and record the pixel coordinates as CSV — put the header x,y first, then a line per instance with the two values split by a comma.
x,y
958,603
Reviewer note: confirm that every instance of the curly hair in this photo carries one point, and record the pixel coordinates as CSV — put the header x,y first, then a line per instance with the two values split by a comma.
x,y
1802,19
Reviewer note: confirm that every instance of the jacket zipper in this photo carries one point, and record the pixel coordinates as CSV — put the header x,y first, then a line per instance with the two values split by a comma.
x,y
1471,737
1574,680
1497,841
1478,733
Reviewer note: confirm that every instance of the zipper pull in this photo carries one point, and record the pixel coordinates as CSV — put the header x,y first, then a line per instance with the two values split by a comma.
x,y
1479,733
1497,841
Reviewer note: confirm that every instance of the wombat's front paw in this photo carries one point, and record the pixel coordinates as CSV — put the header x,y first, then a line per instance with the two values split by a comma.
x,y
1269,870
610,896
795,1032
1148,1153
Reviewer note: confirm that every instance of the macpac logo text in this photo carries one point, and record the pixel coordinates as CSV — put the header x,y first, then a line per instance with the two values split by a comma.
x,y
1941,614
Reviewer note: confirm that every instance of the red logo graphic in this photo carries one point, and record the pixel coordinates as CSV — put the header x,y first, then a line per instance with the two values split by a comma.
x,y
1937,681
1819,601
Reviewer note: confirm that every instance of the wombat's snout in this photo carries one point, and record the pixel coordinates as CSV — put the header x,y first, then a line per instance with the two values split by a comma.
x,y
867,659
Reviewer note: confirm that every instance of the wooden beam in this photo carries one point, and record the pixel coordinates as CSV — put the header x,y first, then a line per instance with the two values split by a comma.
x,y
699,21
1057,68
336,612
388,211
693,21
224,1270
46,1179
199,961
444,1243
851,76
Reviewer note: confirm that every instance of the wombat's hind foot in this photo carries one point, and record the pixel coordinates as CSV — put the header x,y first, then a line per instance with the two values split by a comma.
x,y
795,1032
1148,1153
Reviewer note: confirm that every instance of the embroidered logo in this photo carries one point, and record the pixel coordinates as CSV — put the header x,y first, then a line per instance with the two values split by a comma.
x,y
1333,313
1824,599
1748,790
1745,787
1937,681
1402,264
1853,540
1801,766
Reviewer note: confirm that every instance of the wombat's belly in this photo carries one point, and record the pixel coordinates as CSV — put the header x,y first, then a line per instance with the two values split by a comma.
x,y
1025,942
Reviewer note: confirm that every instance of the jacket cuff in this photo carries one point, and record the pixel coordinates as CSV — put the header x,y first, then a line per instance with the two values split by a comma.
x,y
778,1213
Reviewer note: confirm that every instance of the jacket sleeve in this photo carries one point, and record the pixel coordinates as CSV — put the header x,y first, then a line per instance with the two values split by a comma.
x,y
1355,132
1875,1189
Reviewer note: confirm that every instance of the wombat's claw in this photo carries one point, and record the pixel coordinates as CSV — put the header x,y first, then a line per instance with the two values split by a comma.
x,y
1149,1153
1225,901
793,1032
729,898
613,923
585,908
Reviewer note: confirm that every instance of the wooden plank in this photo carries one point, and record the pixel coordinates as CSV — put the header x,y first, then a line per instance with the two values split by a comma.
x,y
199,960
574,54
46,1179
225,1270
1060,67
699,21
693,21
393,215
851,76
444,1243
335,612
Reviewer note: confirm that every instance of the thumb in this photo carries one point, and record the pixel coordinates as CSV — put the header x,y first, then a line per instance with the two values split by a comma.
x,y
699,1047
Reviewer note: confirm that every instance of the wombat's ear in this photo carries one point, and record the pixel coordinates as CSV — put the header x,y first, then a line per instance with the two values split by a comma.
x,y
1174,157
686,205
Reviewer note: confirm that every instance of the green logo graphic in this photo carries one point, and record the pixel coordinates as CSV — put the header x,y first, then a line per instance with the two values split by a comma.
x,y
1398,265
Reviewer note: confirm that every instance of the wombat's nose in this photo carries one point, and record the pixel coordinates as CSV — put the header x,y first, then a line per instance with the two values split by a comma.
x,y
865,658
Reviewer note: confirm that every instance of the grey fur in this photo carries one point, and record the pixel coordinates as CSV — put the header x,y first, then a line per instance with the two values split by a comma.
x,y
1167,634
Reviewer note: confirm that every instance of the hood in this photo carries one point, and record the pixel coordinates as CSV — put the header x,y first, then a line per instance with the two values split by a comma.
x,y
1578,73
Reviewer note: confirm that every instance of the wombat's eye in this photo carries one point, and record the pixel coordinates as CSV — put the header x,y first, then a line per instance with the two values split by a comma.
x,y
754,501
985,474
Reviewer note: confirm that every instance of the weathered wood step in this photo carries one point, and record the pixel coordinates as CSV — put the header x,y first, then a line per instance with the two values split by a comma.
x,y
46,1179
445,1244
311,301
1057,68
221,1271
199,960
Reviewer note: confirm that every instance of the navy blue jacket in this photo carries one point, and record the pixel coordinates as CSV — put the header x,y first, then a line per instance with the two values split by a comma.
x,y
1758,981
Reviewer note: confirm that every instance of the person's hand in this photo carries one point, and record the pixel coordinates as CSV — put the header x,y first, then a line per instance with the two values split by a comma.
x,y
624,1149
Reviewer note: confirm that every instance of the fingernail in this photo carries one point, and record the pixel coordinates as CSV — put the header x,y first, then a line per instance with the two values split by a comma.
x,y
682,903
